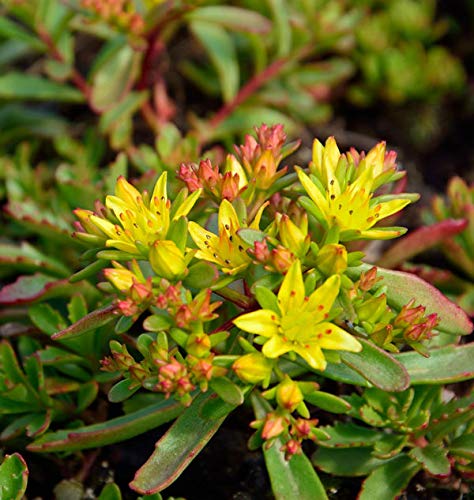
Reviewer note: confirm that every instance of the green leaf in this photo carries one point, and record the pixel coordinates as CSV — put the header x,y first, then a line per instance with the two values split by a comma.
x,y
13,477
250,236
47,319
463,446
122,391
327,402
389,480
110,492
347,461
349,435
221,50
433,458
113,73
24,86
294,478
123,109
176,449
402,287
378,367
201,275
267,299
12,30
234,18
109,432
452,363
93,320
282,27
227,390
27,258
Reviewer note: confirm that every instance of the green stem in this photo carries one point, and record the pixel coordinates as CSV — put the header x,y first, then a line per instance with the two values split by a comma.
x,y
236,297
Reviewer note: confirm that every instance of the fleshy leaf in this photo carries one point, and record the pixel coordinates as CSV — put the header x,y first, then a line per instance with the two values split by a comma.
x,y
176,449
433,458
294,478
13,477
112,431
93,320
452,363
346,462
390,479
378,367
27,289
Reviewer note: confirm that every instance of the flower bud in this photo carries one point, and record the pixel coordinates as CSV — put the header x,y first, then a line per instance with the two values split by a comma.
x,y
198,344
167,260
274,425
332,259
253,368
288,394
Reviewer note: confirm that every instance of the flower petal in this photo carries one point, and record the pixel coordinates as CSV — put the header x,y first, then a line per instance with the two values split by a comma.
x,y
382,233
276,347
291,294
125,191
202,237
330,336
227,219
159,191
104,225
313,355
262,322
322,299
387,208
313,192
123,245
187,204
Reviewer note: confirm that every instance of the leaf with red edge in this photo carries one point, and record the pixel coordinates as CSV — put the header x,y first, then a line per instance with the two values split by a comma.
x,y
420,240
91,321
27,289
13,477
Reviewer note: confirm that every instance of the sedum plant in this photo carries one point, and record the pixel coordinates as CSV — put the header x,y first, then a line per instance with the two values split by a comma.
x,y
222,284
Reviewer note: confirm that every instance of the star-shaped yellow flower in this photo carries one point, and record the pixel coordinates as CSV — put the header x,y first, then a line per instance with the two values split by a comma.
x,y
343,191
298,323
140,217
227,249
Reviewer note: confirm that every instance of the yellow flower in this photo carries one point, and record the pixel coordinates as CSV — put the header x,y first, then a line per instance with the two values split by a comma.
x,y
141,219
300,324
343,191
227,249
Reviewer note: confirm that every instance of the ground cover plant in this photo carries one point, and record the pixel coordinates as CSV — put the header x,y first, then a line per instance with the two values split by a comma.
x,y
160,281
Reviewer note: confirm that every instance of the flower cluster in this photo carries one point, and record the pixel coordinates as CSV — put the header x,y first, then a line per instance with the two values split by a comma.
x,y
258,281
119,13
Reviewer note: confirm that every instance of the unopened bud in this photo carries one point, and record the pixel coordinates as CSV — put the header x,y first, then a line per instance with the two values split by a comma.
x,y
332,259
288,395
253,368
167,260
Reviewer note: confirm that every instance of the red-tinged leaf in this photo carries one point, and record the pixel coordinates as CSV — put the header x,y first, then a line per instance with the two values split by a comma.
x,y
402,287
452,363
177,448
389,480
109,432
93,320
294,478
378,367
13,477
420,240
433,458
28,289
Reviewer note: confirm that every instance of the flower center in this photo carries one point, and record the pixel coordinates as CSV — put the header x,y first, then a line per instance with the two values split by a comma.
x,y
297,325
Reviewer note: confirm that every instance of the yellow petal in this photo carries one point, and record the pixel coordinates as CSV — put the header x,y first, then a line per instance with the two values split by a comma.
x,y
202,237
313,355
382,233
159,191
227,218
387,208
318,151
122,279
123,245
322,299
330,336
331,157
375,159
276,347
256,221
187,204
291,294
127,192
262,322
104,225
313,192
